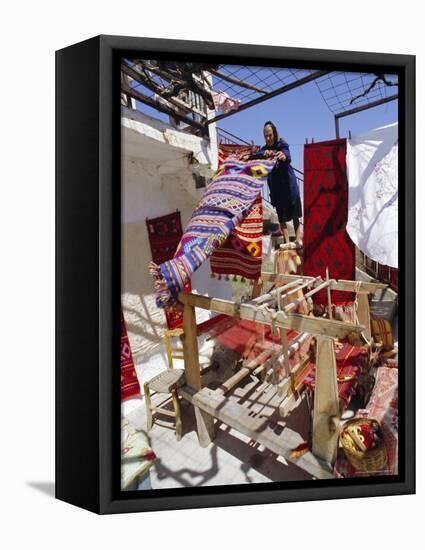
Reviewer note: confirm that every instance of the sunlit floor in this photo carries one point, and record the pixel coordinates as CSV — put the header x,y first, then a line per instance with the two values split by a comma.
x,y
232,458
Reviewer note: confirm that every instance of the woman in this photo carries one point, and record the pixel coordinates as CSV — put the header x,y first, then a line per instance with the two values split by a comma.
x,y
283,185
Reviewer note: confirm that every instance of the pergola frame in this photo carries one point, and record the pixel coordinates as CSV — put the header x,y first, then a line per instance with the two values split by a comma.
x,y
177,107
181,111
355,110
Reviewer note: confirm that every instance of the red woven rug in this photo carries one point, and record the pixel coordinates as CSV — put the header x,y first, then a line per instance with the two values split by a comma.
x,y
129,382
351,362
326,241
241,254
226,150
164,236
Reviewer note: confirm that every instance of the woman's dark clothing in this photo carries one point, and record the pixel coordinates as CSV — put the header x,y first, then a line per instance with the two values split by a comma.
x,y
283,185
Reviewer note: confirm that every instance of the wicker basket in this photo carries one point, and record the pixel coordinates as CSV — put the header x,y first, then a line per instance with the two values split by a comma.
x,y
362,458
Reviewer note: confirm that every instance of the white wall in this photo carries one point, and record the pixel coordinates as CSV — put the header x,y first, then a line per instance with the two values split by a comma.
x,y
157,177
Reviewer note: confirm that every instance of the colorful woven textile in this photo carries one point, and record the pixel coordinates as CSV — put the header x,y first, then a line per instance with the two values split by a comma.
x,y
326,241
225,151
129,382
164,236
383,407
241,254
351,362
226,201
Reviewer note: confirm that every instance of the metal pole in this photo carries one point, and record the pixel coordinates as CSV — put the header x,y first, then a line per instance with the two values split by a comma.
x,y
336,127
367,106
274,93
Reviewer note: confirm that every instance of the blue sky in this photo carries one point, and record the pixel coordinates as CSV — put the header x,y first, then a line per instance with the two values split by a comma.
x,y
300,114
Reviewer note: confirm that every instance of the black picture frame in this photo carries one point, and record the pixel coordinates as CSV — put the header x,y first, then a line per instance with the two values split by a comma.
x,y
88,275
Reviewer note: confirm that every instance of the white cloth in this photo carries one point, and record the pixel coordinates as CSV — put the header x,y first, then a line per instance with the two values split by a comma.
x,y
372,169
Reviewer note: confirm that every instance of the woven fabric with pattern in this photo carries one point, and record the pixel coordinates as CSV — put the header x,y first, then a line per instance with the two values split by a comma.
x,y
129,382
326,241
225,203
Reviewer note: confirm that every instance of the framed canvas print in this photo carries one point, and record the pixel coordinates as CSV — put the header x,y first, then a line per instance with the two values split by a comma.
x,y
235,274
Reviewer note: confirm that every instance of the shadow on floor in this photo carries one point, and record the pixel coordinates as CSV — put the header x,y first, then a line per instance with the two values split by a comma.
x,y
46,487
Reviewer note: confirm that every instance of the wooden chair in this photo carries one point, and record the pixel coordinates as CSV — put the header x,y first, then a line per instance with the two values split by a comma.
x,y
166,382
173,352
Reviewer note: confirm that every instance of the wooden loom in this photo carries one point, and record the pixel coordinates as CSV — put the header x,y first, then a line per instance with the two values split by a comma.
x,y
277,309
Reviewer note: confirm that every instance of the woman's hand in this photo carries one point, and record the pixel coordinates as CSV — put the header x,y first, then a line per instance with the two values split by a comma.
x,y
281,156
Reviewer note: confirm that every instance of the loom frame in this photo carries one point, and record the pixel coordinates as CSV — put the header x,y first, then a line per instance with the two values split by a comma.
x,y
327,409
88,275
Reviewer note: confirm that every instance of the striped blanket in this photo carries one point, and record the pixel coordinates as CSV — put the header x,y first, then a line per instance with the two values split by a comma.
x,y
226,201
241,254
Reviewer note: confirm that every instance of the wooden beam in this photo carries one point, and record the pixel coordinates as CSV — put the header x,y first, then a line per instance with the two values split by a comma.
x,y
290,246
160,72
143,79
296,321
272,277
160,107
326,413
204,422
213,304
273,293
261,358
328,292
178,80
290,403
284,342
361,287
301,323
363,313
295,303
154,87
238,417
247,368
365,107
343,285
190,348
205,427
234,380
